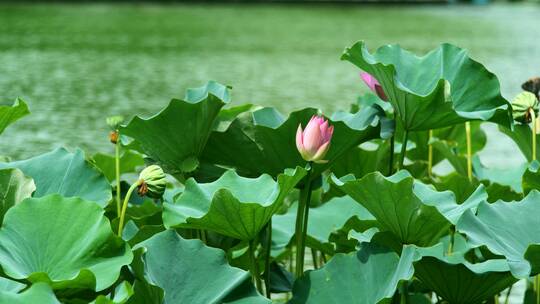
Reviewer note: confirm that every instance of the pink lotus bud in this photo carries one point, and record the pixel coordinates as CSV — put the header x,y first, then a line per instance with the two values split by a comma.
x,y
374,85
314,141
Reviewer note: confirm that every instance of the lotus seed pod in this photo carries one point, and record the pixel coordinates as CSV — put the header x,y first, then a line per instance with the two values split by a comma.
x,y
152,181
522,106
114,121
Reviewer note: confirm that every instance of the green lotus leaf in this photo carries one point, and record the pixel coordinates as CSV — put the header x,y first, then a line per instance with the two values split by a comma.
x,y
10,285
442,88
414,213
458,281
10,114
38,293
322,222
228,115
65,173
509,236
180,131
446,151
129,161
232,205
506,176
453,139
122,293
460,185
190,272
144,293
369,157
66,242
263,141
531,177
14,187
521,135
368,276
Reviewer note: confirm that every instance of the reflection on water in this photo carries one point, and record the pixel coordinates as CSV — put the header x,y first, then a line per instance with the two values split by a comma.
x,y
75,65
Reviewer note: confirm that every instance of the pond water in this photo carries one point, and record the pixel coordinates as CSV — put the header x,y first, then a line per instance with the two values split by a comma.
x,y
76,65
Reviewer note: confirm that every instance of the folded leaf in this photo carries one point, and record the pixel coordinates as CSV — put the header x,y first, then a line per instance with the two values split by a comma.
x,y
442,88
66,242
232,205
508,229
14,187
458,281
414,213
10,114
323,221
263,141
190,272
176,136
65,173
368,276
38,293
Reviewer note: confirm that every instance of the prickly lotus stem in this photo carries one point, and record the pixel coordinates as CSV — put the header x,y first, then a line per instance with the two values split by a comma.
x,y
522,106
152,182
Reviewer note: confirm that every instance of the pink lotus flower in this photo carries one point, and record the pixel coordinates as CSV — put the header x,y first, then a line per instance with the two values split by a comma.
x,y
314,141
374,85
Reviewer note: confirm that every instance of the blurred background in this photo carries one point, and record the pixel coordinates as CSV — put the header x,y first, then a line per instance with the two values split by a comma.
x,y
78,62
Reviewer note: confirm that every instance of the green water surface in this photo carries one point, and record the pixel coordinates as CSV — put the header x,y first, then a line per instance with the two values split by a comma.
x,y
77,64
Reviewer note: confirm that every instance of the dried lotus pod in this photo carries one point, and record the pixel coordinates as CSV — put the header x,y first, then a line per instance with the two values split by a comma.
x,y
532,85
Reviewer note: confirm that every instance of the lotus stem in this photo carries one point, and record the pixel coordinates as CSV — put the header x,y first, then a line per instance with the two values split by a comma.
x,y
254,266
533,117
507,299
125,204
430,154
403,148
117,169
469,150
203,236
403,293
314,258
537,279
301,223
451,243
391,161
268,252
496,299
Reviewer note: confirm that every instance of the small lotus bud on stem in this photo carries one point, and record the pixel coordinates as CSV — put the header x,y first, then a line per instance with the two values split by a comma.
x,y
152,181
524,107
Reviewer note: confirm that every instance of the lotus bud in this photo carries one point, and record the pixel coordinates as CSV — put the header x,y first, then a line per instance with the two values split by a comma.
x,y
152,181
114,121
313,142
374,85
522,106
